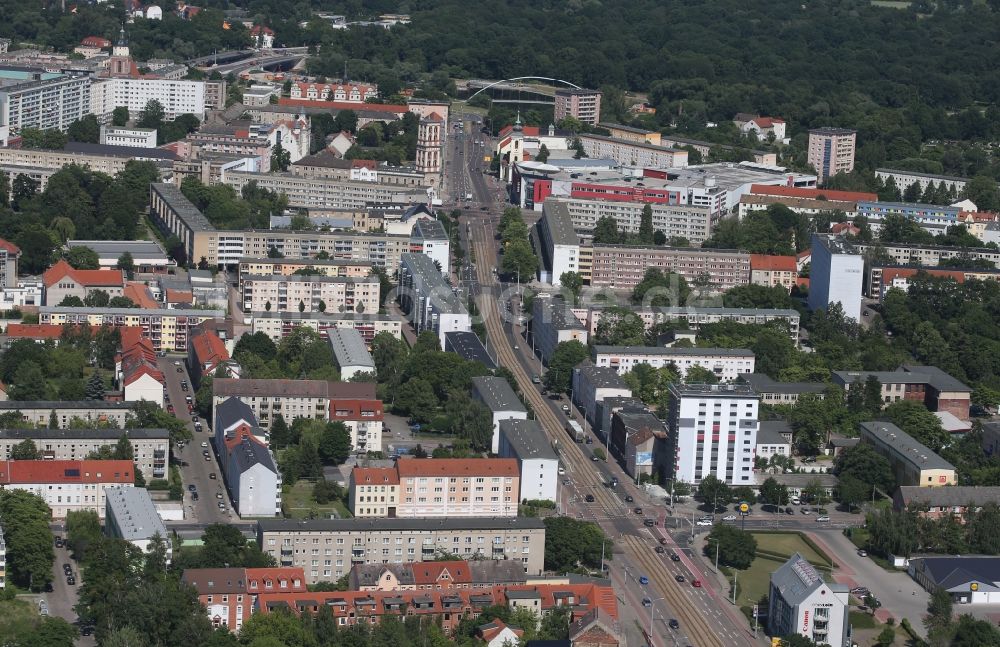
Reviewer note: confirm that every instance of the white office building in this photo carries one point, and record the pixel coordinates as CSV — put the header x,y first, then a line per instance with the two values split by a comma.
x,y
525,441
430,303
715,431
725,363
500,399
177,97
837,275
131,137
800,602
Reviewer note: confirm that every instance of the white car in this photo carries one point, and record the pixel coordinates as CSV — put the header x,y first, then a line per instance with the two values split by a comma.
x,y
703,522
562,470
823,518
729,517
204,444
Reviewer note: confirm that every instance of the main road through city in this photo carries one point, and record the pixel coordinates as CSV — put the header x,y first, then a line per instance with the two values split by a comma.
x,y
705,618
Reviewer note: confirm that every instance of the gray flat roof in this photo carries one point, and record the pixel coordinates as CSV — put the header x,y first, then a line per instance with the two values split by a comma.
x,y
305,261
735,390
349,348
833,131
907,374
363,524
527,439
139,249
496,394
468,346
629,142
309,278
762,383
134,513
429,229
932,176
601,377
437,288
556,312
835,244
184,208
559,223
769,432
954,495
669,352
905,446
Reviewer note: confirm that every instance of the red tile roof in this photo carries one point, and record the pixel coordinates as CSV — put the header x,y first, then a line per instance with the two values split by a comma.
x,y
343,105
768,122
262,576
209,350
797,192
9,246
374,476
140,295
889,274
96,41
34,331
66,472
764,262
179,296
415,467
86,278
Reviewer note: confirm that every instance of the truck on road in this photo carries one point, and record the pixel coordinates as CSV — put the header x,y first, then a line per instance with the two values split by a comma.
x,y
575,431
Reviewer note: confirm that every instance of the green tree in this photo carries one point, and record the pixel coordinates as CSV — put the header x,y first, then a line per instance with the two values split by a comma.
x,y
566,356
914,418
126,263
646,225
886,637
119,116
24,451
95,387
773,492
573,282
543,154
97,299
416,399
29,383
152,115
606,231
83,530
519,260
335,443
737,548
571,543
280,158
83,258
938,620
620,327
660,290
714,492
86,129
864,464
258,344
25,518
852,491
280,435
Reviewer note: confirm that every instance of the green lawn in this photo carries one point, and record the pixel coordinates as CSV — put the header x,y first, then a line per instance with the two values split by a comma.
x,y
299,504
788,544
755,581
862,620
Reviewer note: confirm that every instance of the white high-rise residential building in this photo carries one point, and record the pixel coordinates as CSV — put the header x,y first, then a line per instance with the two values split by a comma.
x,y
177,97
836,276
31,99
800,602
714,427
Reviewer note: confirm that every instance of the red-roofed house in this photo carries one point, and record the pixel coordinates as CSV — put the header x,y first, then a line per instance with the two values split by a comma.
x,y
773,270
62,281
263,36
763,127
96,41
373,492
450,606
847,228
596,628
140,295
205,354
67,485
230,594
136,370
40,333
899,277
497,633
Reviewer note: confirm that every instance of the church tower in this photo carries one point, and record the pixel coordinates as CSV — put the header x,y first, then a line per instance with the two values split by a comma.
x,y
429,143
120,64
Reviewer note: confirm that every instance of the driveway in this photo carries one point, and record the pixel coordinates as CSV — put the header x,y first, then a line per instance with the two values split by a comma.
x,y
901,597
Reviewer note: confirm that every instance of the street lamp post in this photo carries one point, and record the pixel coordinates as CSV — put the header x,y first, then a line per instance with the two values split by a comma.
x,y
652,608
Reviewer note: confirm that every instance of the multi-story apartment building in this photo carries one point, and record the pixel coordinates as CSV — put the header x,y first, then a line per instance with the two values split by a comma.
x,y
725,363
928,385
230,595
640,440
692,222
177,97
498,396
772,392
836,275
695,317
831,151
770,271
714,430
33,98
345,92
288,266
314,293
437,487
168,329
552,323
132,516
912,462
277,325
801,603
325,164
591,385
131,137
150,447
34,158
68,485
321,193
40,412
580,103
538,464
326,549
804,206
175,215
904,179
428,300
633,153
9,255
426,576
